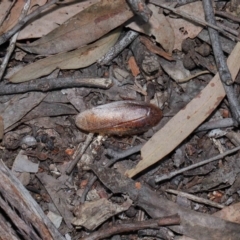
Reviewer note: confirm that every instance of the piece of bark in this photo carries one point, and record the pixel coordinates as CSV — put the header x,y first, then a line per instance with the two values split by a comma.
x,y
22,211
193,224
146,60
6,230
92,214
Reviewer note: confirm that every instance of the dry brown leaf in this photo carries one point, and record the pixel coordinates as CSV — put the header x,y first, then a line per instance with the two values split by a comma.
x,y
230,213
85,27
50,21
15,12
186,120
155,49
159,27
175,70
133,66
44,23
79,58
183,28
4,5
17,107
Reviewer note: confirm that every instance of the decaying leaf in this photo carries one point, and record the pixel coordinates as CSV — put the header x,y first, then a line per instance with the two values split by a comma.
x,y
47,109
186,120
41,25
159,27
155,49
79,58
92,214
53,19
175,70
230,213
85,27
183,28
59,196
15,12
19,106
23,164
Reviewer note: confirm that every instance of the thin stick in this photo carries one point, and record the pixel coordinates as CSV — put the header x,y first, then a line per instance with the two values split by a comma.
x,y
47,84
4,37
195,198
141,9
227,15
135,226
13,40
119,155
192,76
116,156
223,70
228,29
81,152
173,174
194,19
221,123
118,47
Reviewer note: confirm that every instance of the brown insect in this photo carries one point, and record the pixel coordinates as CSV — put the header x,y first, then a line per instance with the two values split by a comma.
x,y
119,118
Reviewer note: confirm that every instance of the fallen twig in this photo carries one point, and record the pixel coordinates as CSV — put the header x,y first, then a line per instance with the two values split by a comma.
x,y
192,76
47,84
172,174
116,156
80,153
141,9
194,19
187,120
227,29
227,15
195,198
119,155
130,227
206,226
4,37
118,47
13,40
223,70
221,123
18,207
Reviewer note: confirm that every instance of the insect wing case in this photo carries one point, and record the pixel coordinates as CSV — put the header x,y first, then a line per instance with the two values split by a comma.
x,y
119,118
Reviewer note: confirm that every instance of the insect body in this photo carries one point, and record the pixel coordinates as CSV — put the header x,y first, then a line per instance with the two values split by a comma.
x,y
119,118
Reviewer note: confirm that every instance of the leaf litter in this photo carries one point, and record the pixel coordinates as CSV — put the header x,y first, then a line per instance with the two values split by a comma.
x,y
75,32
79,58
49,119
